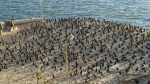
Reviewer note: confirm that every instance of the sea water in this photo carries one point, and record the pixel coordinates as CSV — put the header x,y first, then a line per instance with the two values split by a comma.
x,y
135,12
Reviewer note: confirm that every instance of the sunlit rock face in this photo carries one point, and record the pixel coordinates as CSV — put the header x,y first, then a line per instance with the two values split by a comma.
x,y
99,51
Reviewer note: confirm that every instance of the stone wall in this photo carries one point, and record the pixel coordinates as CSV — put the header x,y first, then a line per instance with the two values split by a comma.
x,y
7,25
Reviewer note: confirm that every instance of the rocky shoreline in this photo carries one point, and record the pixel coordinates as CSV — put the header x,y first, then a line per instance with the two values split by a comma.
x,y
101,51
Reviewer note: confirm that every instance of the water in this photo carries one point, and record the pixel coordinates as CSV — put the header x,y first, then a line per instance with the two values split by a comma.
x,y
135,12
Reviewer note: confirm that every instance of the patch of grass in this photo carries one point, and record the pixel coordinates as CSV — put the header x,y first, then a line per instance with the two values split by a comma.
x,y
41,78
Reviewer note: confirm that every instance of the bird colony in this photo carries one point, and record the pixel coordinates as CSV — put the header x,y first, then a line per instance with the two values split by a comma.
x,y
99,52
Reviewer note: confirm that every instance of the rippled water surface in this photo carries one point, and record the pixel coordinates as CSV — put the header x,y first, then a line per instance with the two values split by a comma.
x,y
135,12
